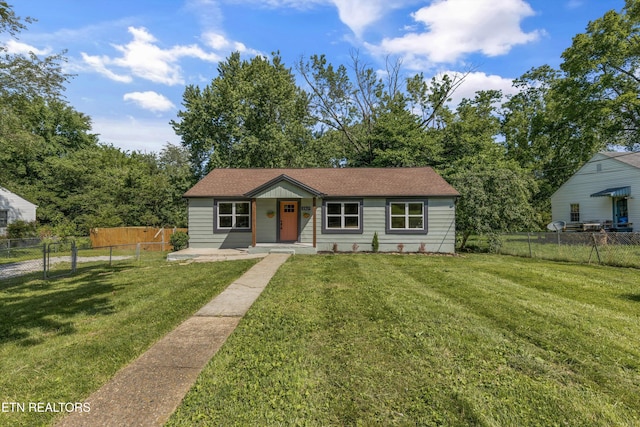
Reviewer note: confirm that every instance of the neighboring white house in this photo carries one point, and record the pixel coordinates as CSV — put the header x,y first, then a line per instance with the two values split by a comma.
x,y
602,194
412,209
14,208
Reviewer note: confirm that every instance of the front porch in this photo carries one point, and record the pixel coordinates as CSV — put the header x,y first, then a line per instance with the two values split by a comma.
x,y
258,251
287,248
283,217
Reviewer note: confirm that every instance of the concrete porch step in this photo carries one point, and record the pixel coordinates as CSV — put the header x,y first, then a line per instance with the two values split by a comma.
x,y
282,251
282,248
193,253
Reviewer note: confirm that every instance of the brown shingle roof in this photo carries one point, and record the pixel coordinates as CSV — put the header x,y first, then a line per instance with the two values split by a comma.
x,y
334,182
630,158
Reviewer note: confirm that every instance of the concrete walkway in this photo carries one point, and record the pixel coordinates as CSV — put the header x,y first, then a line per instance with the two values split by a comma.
x,y
211,255
148,391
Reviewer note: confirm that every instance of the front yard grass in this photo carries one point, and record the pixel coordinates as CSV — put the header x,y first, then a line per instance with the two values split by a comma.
x,y
63,338
413,340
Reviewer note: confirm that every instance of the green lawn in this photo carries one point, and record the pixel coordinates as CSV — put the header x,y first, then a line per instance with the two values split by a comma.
x,y
63,338
413,340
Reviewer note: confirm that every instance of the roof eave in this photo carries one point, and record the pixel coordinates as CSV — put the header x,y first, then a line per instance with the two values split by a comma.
x,y
285,178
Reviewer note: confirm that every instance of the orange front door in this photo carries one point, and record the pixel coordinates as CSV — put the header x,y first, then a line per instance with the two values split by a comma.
x,y
288,221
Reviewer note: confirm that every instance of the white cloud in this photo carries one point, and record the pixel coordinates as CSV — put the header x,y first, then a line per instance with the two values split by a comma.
x,y
220,43
216,41
19,48
455,28
143,58
359,14
131,134
574,4
150,100
99,65
356,14
208,12
476,81
295,4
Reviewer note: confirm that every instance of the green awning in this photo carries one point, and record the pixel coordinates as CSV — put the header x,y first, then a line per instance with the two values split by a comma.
x,y
613,192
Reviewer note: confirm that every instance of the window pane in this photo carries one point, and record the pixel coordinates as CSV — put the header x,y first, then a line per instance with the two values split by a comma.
x,y
415,222
242,222
351,222
242,208
351,208
225,208
226,221
415,208
397,222
334,222
397,208
333,208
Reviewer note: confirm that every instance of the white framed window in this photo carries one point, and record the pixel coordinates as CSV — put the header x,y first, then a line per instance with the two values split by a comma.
x,y
4,218
406,216
233,215
342,216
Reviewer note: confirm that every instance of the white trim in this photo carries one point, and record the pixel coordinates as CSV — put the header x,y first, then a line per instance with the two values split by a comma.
x,y
407,216
343,216
233,215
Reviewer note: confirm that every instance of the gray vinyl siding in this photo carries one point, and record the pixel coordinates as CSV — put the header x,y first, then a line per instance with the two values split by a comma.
x,y
283,190
599,174
306,224
440,236
267,227
201,233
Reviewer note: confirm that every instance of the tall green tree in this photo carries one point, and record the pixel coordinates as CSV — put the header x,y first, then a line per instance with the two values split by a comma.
x,y
495,198
543,133
32,130
103,186
365,110
398,139
34,120
49,154
602,83
496,193
251,115
173,162
27,75
472,131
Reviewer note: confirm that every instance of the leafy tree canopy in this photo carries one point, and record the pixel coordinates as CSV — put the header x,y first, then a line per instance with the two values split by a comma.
x,y
602,69
381,123
251,115
27,75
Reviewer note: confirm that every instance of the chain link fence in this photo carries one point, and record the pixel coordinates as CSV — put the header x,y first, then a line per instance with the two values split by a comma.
x,y
60,258
114,255
616,249
20,256
55,259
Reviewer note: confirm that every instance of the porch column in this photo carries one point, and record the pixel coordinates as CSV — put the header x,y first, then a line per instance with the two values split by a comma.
x,y
254,225
314,222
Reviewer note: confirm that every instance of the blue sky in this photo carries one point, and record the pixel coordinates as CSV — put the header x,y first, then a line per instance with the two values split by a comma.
x,y
132,59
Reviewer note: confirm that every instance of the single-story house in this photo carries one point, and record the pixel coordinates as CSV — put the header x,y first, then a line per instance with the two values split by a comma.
x,y
602,194
319,208
14,208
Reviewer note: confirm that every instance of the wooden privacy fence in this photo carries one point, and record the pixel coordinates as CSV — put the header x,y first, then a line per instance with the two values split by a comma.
x,y
156,239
